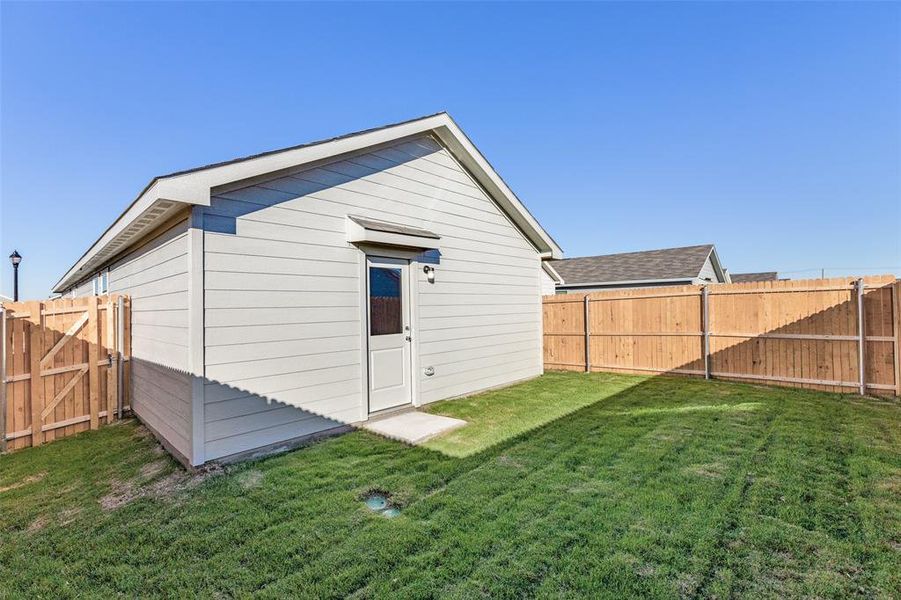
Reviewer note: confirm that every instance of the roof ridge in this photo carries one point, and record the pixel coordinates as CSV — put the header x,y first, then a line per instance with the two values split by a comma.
x,y
664,264
296,146
638,252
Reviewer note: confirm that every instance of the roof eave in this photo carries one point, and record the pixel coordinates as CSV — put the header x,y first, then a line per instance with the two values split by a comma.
x,y
194,187
454,138
674,281
552,272
714,257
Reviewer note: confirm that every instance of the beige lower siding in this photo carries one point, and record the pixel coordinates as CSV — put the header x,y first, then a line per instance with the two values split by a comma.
x,y
268,423
161,398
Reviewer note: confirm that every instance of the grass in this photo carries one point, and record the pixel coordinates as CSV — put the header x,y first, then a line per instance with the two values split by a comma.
x,y
501,414
654,487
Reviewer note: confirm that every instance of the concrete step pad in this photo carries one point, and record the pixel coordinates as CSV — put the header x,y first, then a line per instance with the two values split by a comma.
x,y
412,427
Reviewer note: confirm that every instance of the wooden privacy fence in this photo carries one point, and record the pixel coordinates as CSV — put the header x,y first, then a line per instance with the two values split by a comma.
x,y
830,334
64,367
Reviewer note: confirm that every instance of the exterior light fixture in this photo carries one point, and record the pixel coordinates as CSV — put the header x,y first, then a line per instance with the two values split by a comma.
x,y
15,258
429,273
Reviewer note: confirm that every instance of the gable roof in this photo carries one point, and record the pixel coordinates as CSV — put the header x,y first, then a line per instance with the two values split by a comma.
x,y
752,277
650,265
166,195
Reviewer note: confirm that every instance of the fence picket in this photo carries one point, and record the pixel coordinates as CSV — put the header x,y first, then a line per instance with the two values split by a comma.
x,y
58,378
34,360
795,333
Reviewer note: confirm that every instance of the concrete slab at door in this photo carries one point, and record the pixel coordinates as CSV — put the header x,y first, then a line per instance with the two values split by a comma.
x,y
413,427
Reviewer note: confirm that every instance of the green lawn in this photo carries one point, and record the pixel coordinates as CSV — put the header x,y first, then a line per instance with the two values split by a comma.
x,y
658,487
498,415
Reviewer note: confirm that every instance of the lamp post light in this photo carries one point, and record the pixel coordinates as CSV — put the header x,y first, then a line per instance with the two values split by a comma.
x,y
15,258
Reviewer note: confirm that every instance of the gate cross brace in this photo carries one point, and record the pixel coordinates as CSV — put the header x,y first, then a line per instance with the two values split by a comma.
x,y
75,328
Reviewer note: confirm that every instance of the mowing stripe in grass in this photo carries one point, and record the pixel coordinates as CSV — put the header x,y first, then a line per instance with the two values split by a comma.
x,y
712,550
643,491
620,508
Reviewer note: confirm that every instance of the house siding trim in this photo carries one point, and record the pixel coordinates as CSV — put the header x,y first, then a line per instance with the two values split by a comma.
x,y
197,365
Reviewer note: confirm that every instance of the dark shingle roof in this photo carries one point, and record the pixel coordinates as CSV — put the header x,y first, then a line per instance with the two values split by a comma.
x,y
670,263
750,277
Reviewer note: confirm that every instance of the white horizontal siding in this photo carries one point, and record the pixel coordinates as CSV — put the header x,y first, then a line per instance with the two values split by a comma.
x,y
548,285
251,368
708,272
81,289
282,293
155,276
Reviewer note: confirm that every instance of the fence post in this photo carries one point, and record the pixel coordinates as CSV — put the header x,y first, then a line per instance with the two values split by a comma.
x,y
896,326
36,352
861,332
120,362
587,335
705,321
94,345
2,379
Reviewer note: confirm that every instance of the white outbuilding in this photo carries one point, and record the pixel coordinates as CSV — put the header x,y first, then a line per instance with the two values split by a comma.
x,y
293,293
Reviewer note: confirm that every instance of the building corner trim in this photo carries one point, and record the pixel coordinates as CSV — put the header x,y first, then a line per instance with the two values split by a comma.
x,y
196,364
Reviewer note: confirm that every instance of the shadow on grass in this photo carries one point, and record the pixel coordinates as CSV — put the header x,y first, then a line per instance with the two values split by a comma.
x,y
499,415
508,414
660,487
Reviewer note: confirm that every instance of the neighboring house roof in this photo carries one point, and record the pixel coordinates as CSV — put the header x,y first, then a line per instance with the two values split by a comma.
x,y
750,277
165,195
670,264
552,272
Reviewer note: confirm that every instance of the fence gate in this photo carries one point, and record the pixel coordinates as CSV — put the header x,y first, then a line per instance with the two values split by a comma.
x,y
64,367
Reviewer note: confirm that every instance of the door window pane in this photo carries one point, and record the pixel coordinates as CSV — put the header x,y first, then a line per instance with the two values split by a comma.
x,y
385,316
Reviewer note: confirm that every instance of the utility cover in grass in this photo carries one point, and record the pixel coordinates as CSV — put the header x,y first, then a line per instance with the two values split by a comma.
x,y
378,502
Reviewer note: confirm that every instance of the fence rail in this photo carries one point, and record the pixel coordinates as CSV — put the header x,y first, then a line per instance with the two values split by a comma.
x,y
831,334
64,367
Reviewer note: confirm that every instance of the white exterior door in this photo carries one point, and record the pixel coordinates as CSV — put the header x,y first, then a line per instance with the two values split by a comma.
x,y
390,366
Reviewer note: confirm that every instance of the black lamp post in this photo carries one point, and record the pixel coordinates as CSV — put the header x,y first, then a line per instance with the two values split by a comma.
x,y
15,258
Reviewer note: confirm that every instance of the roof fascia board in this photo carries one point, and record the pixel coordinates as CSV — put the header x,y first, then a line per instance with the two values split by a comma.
x,y
717,265
172,220
194,187
297,169
552,272
685,280
201,182
466,152
151,194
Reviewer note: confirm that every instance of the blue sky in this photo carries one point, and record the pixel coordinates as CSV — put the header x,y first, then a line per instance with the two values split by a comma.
x,y
770,129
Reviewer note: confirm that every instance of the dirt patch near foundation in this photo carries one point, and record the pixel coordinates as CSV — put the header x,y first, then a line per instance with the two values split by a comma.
x,y
166,487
